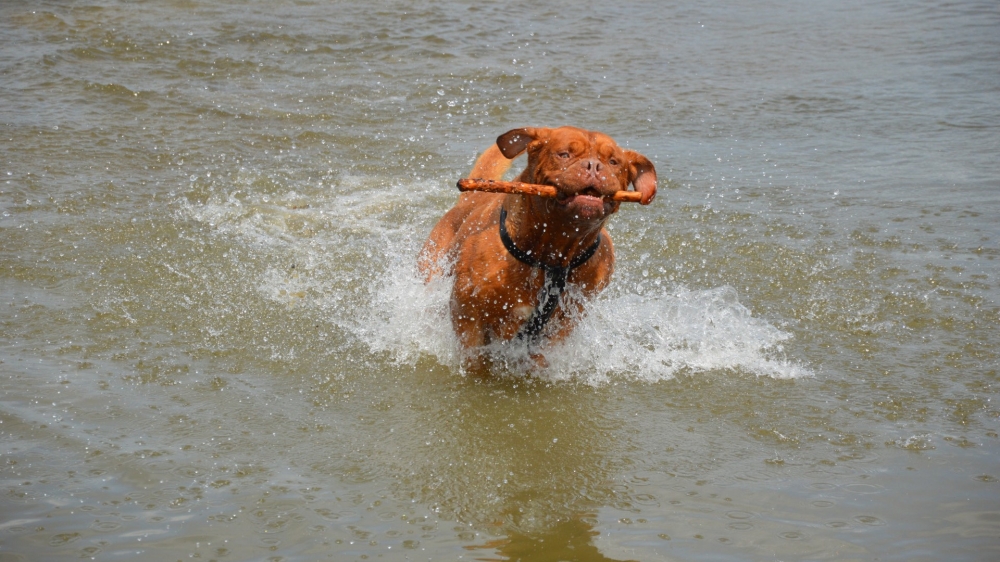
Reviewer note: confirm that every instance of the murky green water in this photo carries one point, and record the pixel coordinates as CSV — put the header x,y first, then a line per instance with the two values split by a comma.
x,y
213,344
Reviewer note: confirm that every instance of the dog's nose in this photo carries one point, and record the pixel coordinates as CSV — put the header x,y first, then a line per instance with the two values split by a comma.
x,y
592,166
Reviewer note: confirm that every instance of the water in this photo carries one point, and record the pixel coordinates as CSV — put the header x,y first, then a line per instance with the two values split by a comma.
x,y
214,344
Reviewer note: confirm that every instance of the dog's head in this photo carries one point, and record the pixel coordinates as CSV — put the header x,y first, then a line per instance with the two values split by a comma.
x,y
586,167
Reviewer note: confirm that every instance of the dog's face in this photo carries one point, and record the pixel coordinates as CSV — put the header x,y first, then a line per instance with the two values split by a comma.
x,y
586,168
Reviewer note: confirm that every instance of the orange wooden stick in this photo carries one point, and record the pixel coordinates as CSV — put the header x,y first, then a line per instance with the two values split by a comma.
x,y
497,186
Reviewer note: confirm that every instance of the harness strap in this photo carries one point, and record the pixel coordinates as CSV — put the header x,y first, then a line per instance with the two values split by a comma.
x,y
552,288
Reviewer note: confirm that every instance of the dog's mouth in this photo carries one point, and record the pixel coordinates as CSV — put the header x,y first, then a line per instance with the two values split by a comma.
x,y
588,203
588,192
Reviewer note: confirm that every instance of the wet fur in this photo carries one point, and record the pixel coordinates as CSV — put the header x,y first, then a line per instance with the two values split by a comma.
x,y
494,293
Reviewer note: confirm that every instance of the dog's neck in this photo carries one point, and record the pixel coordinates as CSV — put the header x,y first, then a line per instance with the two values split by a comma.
x,y
539,226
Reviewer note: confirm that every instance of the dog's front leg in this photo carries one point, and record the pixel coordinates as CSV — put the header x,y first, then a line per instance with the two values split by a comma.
x,y
470,328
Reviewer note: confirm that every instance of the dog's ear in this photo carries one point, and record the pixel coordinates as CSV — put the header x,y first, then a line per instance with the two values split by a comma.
x,y
515,141
642,175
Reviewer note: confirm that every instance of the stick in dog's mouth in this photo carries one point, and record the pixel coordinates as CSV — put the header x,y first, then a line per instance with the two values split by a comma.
x,y
497,186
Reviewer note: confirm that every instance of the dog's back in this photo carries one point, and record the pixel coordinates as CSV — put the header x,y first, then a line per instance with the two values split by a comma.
x,y
491,165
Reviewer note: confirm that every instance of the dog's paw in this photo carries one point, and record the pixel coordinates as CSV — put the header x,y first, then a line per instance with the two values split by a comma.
x,y
538,361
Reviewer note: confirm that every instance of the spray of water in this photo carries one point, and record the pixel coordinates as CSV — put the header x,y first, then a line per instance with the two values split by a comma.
x,y
649,337
358,270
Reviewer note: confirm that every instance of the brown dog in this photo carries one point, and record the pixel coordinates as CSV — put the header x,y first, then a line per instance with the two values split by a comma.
x,y
513,255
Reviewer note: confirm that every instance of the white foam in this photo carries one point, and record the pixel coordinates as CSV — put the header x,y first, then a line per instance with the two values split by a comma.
x,y
656,336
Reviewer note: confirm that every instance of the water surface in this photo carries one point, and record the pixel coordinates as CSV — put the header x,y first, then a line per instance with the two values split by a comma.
x,y
214,344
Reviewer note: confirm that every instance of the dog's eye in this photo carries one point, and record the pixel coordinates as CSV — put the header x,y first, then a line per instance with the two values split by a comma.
x,y
563,154
613,161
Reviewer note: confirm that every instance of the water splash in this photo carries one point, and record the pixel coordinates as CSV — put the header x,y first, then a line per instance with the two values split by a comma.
x,y
356,268
650,337
656,336
410,320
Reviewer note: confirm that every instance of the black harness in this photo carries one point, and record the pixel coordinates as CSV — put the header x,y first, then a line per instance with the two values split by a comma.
x,y
552,288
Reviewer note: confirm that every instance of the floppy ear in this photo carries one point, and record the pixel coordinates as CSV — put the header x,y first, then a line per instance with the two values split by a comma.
x,y
515,141
642,175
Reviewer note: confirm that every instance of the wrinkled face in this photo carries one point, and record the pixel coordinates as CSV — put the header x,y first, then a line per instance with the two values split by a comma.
x,y
586,167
